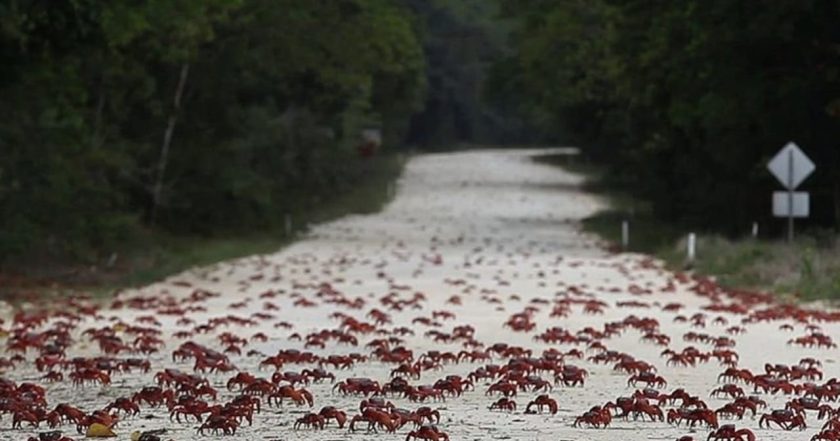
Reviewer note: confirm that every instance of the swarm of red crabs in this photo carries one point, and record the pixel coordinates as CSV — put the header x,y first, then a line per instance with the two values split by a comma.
x,y
214,374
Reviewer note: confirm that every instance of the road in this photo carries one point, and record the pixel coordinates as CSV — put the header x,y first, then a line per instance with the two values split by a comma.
x,y
483,235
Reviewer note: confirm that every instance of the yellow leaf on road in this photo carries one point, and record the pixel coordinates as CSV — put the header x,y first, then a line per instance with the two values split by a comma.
x,y
97,430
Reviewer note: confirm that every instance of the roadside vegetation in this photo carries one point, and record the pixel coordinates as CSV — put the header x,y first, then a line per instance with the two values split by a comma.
x,y
681,104
183,131
152,254
685,101
808,269
139,139
165,254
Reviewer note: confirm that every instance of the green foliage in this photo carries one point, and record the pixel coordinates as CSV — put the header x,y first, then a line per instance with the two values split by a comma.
x,y
277,93
801,270
808,269
686,100
461,41
164,254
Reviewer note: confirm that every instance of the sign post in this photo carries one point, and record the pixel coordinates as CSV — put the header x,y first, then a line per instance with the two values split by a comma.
x,y
791,166
790,187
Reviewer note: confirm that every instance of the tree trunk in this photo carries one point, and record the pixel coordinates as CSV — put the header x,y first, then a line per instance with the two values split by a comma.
x,y
157,189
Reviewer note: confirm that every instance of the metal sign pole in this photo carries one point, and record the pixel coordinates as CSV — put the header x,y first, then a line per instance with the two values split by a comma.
x,y
790,196
790,166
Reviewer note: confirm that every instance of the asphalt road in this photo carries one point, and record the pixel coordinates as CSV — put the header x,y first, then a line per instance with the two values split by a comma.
x,y
487,238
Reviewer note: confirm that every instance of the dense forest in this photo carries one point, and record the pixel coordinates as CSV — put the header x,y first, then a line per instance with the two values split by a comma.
x,y
217,116
685,100
209,116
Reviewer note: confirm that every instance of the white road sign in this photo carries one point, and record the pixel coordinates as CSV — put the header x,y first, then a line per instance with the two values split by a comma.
x,y
790,166
781,204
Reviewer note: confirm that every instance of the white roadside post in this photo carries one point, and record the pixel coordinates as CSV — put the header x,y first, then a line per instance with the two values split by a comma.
x,y
791,166
755,230
625,234
692,247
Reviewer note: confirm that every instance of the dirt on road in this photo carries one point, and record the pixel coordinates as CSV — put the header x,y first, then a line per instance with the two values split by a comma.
x,y
477,249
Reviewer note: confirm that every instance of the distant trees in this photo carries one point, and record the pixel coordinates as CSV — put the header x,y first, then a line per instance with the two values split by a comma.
x,y
687,100
206,115
461,41
199,115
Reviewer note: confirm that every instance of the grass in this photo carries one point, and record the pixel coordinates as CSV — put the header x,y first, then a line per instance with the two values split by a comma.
x,y
808,269
158,254
171,254
647,233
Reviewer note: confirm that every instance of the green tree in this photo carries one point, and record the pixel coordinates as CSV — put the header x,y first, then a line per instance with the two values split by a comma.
x,y
175,114
692,96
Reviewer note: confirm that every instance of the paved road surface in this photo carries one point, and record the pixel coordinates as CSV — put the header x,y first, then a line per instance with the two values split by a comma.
x,y
492,228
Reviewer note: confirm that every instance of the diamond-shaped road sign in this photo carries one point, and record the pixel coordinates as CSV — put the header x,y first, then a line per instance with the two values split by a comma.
x,y
790,166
